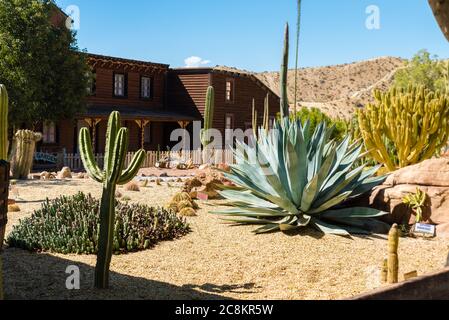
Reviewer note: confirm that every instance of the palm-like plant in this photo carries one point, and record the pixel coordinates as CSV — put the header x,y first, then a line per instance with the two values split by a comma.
x,y
292,178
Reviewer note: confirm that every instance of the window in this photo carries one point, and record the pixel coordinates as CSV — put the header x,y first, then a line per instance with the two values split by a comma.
x,y
119,85
147,134
49,132
145,88
230,90
92,83
229,123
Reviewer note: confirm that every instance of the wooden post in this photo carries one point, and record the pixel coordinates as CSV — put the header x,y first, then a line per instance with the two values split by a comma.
x,y
92,123
142,124
183,125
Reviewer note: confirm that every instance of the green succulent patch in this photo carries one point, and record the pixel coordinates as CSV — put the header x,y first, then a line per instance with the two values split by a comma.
x,y
293,178
71,225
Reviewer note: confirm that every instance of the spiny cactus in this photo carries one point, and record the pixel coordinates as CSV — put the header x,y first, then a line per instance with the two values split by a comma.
x,y
208,117
393,258
3,123
405,126
285,107
266,117
113,174
23,156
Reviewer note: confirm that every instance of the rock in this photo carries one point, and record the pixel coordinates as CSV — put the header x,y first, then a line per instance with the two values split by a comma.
x,y
204,166
45,175
13,208
132,186
65,173
432,177
163,175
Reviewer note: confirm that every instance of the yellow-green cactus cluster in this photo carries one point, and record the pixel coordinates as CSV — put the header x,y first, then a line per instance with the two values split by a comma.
x,y
405,126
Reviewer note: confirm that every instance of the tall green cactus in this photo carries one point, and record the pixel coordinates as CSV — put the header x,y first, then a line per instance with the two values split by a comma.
x,y
3,123
208,116
22,157
285,107
110,177
405,126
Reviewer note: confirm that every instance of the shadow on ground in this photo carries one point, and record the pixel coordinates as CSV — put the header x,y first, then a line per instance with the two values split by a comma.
x,y
42,277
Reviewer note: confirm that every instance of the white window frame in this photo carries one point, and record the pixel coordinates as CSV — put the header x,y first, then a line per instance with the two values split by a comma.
x,y
119,84
49,132
145,87
229,90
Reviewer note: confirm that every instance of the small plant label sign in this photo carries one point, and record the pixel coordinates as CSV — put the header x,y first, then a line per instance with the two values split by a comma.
x,y
424,230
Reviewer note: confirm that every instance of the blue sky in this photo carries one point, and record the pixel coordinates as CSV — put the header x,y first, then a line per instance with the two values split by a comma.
x,y
248,33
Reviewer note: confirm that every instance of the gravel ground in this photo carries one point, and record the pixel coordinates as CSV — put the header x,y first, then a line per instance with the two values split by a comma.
x,y
215,261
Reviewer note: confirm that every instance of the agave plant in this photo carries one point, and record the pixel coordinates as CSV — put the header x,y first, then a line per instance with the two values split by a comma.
x,y
294,178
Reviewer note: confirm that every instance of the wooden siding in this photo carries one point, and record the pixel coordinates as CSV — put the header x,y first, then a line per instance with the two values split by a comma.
x,y
104,94
245,90
187,92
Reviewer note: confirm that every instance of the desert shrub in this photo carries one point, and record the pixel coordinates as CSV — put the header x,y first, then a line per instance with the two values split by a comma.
x,y
315,116
423,70
72,225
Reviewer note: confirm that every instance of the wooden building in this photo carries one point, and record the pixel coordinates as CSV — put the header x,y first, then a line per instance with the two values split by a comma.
x,y
154,100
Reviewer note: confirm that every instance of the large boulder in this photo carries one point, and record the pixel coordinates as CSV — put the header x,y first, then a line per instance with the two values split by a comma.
x,y
432,177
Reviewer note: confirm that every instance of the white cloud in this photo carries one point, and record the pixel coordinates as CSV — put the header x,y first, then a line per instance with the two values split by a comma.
x,y
195,62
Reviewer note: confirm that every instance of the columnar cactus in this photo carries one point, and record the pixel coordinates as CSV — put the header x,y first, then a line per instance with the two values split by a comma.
x,y
3,123
285,107
113,174
208,117
266,113
405,126
255,119
393,258
23,155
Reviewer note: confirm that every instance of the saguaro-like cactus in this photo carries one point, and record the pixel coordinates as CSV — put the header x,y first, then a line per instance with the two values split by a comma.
x,y
285,107
23,154
393,258
405,126
208,117
113,174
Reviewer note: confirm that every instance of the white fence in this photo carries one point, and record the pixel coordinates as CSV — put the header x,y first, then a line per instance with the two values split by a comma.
x,y
73,161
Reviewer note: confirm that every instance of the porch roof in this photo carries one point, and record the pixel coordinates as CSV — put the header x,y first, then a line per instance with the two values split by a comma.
x,y
139,113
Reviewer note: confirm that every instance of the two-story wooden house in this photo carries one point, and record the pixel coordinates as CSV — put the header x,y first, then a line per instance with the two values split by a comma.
x,y
154,100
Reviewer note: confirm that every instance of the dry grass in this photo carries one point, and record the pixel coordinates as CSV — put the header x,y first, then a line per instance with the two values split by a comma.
x,y
214,261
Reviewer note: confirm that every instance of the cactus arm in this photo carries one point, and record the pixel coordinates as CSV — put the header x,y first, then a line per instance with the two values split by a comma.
x,y
111,135
3,123
87,156
119,156
208,116
133,168
285,108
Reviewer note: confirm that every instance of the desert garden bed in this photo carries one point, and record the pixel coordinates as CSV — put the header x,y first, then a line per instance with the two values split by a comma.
x,y
214,261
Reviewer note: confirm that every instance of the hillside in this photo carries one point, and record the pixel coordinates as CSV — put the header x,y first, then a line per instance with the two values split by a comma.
x,y
338,90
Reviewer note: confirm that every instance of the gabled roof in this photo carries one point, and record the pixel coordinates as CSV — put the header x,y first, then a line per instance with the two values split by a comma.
x,y
233,72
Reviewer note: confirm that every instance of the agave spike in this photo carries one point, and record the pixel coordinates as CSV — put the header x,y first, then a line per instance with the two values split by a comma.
x,y
113,174
285,108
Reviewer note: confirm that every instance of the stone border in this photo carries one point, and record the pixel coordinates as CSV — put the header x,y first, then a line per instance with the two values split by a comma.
x,y
430,287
